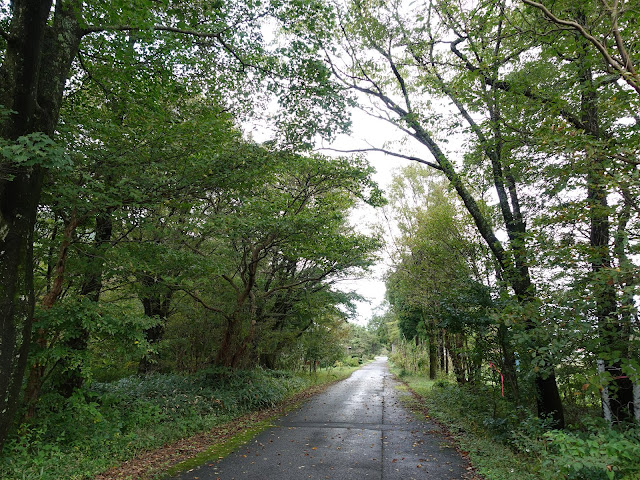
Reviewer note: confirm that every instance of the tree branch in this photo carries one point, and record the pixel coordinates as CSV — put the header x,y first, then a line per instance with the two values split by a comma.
x,y
387,152
231,282
626,68
204,304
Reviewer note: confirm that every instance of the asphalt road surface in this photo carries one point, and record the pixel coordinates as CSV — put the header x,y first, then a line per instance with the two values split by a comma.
x,y
355,430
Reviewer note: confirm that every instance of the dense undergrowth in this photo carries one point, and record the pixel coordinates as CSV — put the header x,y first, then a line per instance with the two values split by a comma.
x,y
96,428
506,442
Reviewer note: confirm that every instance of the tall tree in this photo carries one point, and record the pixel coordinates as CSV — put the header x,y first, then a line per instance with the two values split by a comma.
x,y
394,58
40,41
436,281
617,19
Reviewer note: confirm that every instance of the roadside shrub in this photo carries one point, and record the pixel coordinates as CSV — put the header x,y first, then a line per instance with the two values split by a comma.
x,y
485,422
600,453
77,437
352,361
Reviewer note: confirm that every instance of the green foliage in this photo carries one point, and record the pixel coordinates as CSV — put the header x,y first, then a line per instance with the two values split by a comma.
x,y
112,326
599,453
352,361
82,435
362,343
167,203
485,423
30,150
478,422
411,356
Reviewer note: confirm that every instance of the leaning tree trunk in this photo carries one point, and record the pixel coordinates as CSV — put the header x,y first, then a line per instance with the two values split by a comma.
x,y
513,263
37,372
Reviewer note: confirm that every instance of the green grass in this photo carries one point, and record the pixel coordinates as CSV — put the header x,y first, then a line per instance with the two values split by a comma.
x,y
506,442
491,458
221,449
79,437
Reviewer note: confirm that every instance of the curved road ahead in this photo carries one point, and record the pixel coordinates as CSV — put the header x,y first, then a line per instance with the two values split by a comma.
x,y
355,430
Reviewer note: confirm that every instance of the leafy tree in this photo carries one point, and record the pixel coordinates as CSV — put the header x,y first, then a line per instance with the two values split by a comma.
x,y
435,283
517,91
268,231
585,152
217,43
393,58
616,20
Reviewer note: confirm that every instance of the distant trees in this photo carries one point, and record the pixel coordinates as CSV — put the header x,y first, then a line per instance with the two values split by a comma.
x,y
438,286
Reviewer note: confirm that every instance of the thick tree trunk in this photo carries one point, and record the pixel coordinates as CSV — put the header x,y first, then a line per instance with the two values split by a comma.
x,y
18,204
231,348
19,199
31,87
613,338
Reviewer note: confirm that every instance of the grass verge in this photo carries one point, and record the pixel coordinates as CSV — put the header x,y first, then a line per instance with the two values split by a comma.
x,y
491,459
217,443
137,428
505,441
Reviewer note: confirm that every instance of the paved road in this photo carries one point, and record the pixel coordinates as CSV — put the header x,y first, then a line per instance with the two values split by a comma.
x,y
355,430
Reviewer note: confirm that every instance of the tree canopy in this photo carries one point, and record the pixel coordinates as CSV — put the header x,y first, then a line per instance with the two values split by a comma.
x,y
143,230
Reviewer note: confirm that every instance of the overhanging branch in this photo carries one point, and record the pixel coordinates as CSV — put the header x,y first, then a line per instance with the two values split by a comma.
x,y
625,68
387,152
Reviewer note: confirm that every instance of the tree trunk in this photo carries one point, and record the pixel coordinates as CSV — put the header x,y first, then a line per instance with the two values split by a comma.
x,y
72,377
456,357
37,372
509,369
433,355
157,304
627,285
612,332
514,262
32,88
226,351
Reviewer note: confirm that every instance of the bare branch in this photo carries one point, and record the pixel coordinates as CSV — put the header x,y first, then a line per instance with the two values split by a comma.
x,y
387,152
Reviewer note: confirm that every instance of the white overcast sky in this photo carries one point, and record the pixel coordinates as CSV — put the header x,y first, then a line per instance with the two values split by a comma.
x,y
368,132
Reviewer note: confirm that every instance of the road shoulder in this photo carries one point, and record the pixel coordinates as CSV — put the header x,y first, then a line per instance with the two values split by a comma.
x,y
206,446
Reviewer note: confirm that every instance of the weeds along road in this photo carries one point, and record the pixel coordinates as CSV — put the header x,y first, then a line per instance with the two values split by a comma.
x,y
356,430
